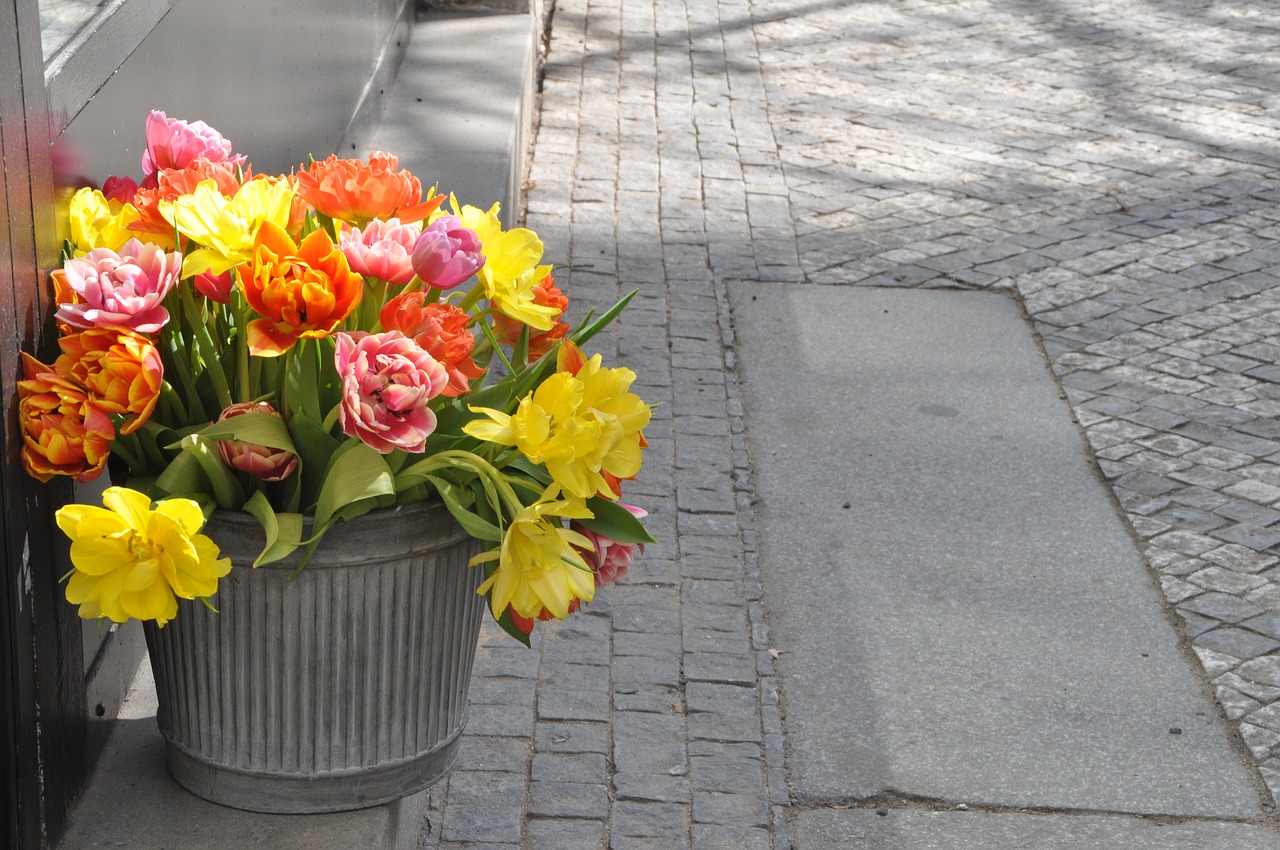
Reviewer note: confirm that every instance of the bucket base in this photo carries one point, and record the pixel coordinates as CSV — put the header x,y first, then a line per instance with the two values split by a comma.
x,y
302,794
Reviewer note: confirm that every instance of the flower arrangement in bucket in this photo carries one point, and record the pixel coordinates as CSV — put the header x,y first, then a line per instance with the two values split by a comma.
x,y
307,348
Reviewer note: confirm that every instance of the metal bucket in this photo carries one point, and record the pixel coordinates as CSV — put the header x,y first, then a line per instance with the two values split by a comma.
x,y
341,688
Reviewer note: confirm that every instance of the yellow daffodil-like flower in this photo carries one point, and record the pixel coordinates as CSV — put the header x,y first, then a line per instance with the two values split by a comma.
x,y
622,415
134,562
538,567
226,227
585,428
511,271
95,222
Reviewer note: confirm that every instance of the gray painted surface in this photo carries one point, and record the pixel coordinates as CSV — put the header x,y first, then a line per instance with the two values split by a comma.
x,y
899,829
960,612
477,112
280,80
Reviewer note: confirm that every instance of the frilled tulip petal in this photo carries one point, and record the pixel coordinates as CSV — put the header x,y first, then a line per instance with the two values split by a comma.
x,y
132,562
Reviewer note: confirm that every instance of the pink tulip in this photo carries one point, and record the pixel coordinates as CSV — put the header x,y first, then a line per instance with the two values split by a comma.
x,y
387,380
447,253
123,290
266,463
174,143
383,249
611,559
215,287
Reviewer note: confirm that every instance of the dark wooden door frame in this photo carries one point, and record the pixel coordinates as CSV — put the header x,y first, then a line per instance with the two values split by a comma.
x,y
42,731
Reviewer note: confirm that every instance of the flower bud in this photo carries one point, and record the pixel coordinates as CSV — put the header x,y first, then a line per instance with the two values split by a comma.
x,y
266,463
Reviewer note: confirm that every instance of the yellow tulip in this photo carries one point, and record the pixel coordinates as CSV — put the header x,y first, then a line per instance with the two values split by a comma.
x,y
224,227
538,566
133,562
95,222
511,271
586,429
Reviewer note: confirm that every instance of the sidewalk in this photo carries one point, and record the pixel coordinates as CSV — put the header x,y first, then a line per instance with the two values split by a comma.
x,y
963,319
1110,167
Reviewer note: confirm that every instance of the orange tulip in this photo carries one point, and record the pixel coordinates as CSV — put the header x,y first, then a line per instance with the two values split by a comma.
x,y
441,330
121,370
63,431
300,290
355,192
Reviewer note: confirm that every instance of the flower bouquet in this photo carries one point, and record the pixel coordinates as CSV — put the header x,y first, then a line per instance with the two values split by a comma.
x,y
309,347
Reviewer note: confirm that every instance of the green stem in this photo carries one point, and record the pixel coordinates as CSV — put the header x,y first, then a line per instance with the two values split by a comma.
x,y
120,446
493,343
472,297
177,410
240,312
180,358
205,346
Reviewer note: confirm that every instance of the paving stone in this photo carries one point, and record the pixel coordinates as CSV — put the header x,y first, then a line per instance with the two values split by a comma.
x,y
1230,641
1222,606
1136,222
1268,623
1251,536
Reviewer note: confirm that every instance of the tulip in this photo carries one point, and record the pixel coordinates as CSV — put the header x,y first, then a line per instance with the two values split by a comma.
x,y
356,192
447,253
267,463
119,189
121,370
301,291
545,294
63,431
174,143
539,562
132,562
215,287
96,222
387,381
123,290
441,330
381,249
608,558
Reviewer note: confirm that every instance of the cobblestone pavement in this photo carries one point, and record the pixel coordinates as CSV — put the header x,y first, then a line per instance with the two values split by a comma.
x,y
1110,163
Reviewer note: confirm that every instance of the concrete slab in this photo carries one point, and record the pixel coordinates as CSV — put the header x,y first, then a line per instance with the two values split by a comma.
x,y
900,829
961,614
132,802
460,110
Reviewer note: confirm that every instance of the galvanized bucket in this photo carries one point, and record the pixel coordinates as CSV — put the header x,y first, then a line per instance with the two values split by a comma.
x,y
339,688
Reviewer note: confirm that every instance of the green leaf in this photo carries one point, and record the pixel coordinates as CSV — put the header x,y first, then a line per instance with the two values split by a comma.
x,y
535,471
314,449
262,429
509,626
357,475
586,332
301,382
183,475
472,524
227,491
283,531
615,522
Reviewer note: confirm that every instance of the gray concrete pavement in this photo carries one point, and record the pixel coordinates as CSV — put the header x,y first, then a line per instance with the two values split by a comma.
x,y
1107,165
963,617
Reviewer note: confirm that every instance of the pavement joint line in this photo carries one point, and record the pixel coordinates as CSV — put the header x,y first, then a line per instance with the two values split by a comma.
x,y
891,801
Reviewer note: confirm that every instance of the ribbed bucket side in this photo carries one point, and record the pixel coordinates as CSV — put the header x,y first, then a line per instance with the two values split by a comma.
x,y
341,687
